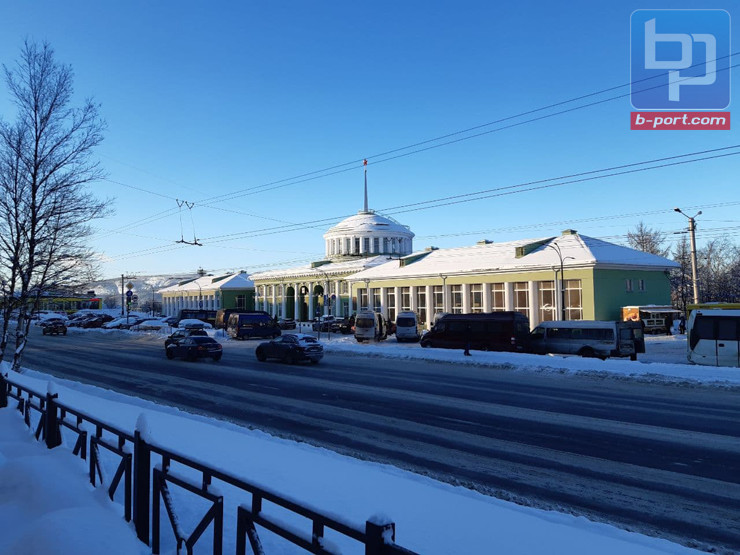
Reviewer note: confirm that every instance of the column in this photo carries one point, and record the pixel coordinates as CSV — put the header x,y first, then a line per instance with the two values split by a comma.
x,y
383,302
296,296
414,305
274,300
327,300
283,301
446,297
350,307
486,297
466,298
430,307
509,295
311,314
397,296
338,299
534,304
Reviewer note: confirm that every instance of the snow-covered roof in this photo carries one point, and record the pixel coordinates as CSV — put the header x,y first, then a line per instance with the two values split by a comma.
x,y
212,283
339,268
521,255
363,223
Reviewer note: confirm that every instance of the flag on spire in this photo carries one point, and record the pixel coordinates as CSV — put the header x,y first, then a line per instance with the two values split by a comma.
x,y
364,162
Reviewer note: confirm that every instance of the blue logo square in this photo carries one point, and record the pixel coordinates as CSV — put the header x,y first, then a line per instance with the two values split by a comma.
x,y
680,59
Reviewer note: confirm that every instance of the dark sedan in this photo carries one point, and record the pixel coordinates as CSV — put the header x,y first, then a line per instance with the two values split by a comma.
x,y
54,328
179,335
291,348
192,348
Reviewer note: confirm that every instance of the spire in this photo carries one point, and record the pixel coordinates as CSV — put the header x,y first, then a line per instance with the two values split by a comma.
x,y
364,164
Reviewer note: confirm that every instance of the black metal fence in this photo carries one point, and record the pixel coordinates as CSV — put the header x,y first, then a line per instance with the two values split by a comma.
x,y
146,487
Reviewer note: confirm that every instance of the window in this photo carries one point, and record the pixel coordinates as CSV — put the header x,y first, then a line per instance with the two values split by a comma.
x,y
391,299
641,285
375,293
385,244
521,297
347,245
573,302
421,303
438,301
376,244
548,301
241,301
366,244
498,297
357,246
362,299
343,287
456,298
405,298
476,297
628,285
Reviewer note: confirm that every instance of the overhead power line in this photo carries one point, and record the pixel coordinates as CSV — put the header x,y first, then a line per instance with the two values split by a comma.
x,y
396,153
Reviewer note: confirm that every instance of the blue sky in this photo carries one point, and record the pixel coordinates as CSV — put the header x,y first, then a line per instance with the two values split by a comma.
x,y
203,101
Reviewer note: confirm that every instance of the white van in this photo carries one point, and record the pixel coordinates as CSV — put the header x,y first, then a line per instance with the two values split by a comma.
x,y
714,337
587,338
370,326
407,327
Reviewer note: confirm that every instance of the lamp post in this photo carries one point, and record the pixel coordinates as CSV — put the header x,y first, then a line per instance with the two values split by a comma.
x,y
367,294
692,229
556,248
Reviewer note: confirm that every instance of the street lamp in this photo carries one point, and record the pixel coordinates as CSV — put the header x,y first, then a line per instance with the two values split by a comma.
x,y
692,229
367,294
556,248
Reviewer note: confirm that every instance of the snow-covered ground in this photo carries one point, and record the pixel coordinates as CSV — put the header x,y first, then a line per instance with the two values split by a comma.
x,y
42,490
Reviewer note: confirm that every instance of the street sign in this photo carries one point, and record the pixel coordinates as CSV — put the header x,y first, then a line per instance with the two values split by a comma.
x,y
129,293
129,286
134,298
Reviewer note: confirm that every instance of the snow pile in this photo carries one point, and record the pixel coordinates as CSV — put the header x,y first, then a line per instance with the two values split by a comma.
x,y
47,504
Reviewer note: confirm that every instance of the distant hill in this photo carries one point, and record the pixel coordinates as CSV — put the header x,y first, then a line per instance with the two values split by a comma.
x,y
144,286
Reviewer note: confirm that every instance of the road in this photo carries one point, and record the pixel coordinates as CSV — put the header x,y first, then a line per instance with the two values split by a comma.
x,y
660,459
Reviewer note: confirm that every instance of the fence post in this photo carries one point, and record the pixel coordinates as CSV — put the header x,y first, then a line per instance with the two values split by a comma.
x,y
377,532
142,486
51,425
3,392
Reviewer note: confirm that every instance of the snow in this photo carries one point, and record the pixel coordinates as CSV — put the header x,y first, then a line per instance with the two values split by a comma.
x,y
44,490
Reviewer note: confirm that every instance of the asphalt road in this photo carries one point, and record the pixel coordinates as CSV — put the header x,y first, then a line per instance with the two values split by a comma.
x,y
660,459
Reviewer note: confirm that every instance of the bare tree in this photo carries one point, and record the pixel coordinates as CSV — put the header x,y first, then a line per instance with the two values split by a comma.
x,y
681,279
49,147
648,240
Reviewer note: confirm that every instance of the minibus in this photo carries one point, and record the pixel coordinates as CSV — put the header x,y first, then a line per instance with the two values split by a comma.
x,y
408,327
242,325
482,331
370,326
586,338
713,337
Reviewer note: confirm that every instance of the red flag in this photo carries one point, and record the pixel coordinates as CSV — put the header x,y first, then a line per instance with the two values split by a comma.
x,y
364,162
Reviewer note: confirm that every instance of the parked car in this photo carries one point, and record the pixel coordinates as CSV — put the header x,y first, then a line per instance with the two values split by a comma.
x,y
54,328
172,321
291,348
179,335
195,347
94,322
324,323
192,323
286,324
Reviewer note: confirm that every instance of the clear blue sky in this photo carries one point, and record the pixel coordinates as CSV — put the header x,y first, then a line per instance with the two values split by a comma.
x,y
202,101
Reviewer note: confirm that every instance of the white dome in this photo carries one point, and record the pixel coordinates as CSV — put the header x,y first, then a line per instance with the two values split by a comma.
x,y
368,234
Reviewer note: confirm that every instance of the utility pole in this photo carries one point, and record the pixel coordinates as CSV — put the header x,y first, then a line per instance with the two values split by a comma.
x,y
692,229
